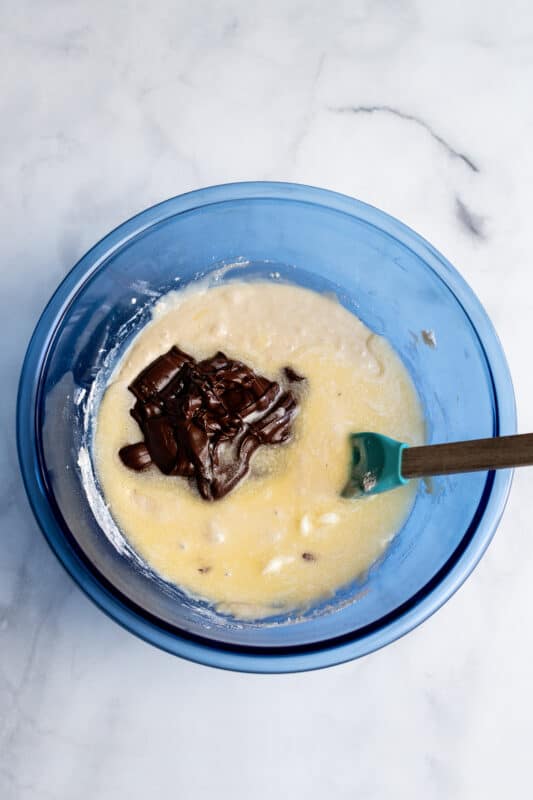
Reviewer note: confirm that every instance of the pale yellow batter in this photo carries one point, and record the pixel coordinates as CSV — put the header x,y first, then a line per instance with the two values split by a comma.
x,y
284,538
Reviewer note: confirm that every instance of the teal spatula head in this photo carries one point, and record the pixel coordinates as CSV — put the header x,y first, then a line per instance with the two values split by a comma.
x,y
376,465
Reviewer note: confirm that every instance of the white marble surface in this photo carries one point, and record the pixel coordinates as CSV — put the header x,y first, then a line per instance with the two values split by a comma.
x,y
422,108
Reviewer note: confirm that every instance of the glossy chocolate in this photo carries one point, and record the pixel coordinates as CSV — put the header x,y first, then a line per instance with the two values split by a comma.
x,y
204,420
135,456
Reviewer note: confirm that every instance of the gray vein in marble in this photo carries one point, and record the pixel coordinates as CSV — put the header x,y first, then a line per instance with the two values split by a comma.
x,y
19,785
301,134
21,589
230,28
474,223
8,495
56,149
384,109
161,143
21,722
74,42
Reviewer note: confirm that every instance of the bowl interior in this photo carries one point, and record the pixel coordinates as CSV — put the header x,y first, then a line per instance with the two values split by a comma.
x,y
390,286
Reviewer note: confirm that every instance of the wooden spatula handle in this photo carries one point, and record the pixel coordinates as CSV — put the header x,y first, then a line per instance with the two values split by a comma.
x,y
472,456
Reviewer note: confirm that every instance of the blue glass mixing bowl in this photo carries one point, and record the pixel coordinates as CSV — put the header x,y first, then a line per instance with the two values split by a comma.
x,y
382,271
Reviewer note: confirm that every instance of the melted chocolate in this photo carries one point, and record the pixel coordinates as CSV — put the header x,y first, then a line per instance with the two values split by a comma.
x,y
205,420
292,376
135,456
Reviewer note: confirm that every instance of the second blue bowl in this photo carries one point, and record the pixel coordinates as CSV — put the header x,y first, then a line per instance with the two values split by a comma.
x,y
382,271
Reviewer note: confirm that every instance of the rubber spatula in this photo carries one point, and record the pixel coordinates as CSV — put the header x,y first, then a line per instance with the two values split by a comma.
x,y
380,463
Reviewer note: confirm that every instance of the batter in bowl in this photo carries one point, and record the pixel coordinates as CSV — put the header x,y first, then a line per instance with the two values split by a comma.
x,y
283,538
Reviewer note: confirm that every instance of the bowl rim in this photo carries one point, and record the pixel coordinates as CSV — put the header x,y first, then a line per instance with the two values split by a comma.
x,y
242,658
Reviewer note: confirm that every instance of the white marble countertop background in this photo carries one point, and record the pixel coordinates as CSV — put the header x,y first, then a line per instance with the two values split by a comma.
x,y
422,108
